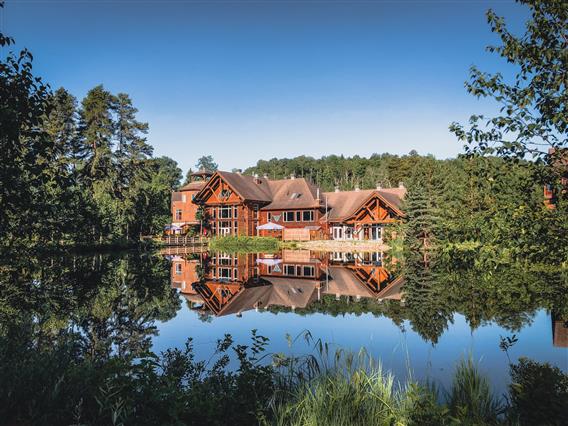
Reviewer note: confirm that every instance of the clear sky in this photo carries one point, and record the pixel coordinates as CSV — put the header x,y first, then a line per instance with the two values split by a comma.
x,y
245,80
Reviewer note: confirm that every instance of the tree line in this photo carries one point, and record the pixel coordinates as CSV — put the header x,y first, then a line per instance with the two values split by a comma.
x,y
75,172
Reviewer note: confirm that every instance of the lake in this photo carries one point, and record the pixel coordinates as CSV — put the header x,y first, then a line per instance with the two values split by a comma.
x,y
360,300
414,322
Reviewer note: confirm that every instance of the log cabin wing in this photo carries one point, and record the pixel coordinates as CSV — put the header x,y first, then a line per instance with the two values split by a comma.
x,y
362,214
235,204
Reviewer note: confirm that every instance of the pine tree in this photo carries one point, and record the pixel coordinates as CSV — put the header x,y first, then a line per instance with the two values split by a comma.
x,y
95,134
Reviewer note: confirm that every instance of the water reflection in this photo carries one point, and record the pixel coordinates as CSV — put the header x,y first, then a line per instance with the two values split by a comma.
x,y
301,281
224,284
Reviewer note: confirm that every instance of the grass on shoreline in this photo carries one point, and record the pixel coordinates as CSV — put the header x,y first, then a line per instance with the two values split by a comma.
x,y
243,244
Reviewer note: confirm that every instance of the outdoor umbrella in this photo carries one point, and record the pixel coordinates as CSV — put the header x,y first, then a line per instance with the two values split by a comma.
x,y
270,227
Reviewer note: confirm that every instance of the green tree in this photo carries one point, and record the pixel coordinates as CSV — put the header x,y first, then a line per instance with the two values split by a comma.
x,y
534,106
206,163
27,151
96,131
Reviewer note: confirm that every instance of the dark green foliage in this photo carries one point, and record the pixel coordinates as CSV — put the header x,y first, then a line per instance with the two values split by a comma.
x,y
75,176
534,107
206,163
539,393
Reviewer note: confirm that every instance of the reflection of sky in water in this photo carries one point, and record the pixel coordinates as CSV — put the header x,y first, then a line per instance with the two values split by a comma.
x,y
379,335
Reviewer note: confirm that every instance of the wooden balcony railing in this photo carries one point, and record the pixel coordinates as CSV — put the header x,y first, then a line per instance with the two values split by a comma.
x,y
183,240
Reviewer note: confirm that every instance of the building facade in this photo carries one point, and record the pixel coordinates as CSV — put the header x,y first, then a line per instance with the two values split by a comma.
x,y
237,204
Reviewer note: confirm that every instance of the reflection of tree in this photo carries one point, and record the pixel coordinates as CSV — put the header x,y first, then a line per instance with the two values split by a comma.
x,y
105,304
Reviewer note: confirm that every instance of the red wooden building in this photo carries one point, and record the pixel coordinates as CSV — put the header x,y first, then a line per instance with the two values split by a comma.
x,y
236,204
183,207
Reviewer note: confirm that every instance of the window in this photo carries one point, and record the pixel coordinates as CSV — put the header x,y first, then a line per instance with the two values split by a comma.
x,y
309,271
295,196
178,214
235,212
178,268
255,208
289,270
289,216
183,198
225,273
308,216
269,216
224,194
225,212
298,216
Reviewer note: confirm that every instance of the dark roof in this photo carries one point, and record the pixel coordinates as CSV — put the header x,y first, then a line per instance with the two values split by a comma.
x,y
248,187
295,193
343,204
299,193
193,186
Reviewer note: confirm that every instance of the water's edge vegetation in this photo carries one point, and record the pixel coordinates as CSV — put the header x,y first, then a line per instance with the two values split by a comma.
x,y
63,385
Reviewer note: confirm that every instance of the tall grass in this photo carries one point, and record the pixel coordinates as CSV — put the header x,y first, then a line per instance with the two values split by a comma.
x,y
243,244
470,396
334,387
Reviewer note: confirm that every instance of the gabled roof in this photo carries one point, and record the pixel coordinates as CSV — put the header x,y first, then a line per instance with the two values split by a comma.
x,y
292,193
344,204
279,194
193,186
247,187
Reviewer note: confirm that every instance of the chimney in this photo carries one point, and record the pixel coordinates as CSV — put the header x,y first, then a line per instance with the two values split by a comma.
x,y
379,187
266,176
401,185
292,176
238,171
256,179
317,194
337,189
357,188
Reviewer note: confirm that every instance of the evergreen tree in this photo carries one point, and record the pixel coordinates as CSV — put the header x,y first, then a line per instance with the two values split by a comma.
x,y
96,131
206,163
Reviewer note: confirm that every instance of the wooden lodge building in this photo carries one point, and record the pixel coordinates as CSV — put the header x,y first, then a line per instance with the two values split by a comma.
x,y
294,208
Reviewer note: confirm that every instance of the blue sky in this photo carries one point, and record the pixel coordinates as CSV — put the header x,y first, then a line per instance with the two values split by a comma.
x,y
245,80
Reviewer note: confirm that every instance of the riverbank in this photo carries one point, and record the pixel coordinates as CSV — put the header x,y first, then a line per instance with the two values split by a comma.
x,y
256,244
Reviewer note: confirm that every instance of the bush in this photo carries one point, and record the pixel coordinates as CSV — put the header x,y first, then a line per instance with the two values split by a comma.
x,y
539,394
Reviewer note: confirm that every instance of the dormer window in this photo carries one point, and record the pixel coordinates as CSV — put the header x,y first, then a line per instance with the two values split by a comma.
x,y
295,196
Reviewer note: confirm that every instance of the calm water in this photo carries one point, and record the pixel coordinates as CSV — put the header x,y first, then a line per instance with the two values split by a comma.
x,y
359,300
412,321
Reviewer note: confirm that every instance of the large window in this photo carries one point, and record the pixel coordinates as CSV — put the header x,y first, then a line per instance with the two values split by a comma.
x,y
225,273
225,212
178,214
308,216
289,270
298,216
309,271
289,216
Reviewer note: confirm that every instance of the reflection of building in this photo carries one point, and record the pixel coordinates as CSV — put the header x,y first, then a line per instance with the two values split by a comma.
x,y
233,283
236,204
184,273
559,332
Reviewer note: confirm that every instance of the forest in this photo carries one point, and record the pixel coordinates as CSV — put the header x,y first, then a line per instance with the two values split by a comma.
x,y
75,174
